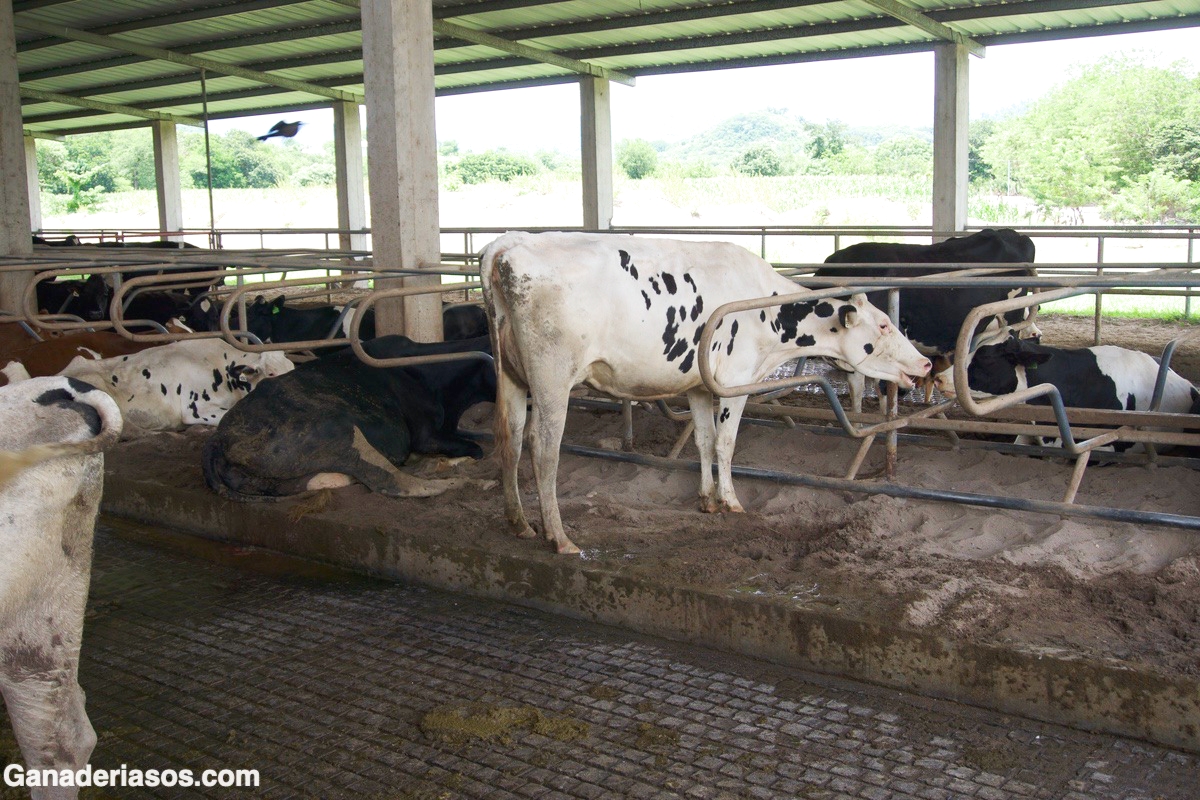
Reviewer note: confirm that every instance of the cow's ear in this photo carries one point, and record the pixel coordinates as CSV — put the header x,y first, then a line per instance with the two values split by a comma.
x,y
278,302
848,316
259,301
1029,359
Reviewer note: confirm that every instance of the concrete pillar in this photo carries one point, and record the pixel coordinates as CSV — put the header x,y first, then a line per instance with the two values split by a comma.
x,y
950,148
35,188
402,153
166,176
347,157
596,148
14,189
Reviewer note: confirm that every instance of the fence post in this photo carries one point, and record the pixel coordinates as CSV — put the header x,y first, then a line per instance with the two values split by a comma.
x,y
1099,274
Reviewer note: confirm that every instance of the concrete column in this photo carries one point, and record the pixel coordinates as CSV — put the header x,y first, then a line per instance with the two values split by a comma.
x,y
950,149
596,148
166,176
35,188
14,189
347,156
402,153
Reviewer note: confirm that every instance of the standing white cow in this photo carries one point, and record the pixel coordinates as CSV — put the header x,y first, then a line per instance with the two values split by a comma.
x,y
193,382
52,432
624,315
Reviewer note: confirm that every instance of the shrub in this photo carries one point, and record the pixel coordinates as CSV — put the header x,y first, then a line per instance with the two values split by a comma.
x,y
760,160
494,165
637,158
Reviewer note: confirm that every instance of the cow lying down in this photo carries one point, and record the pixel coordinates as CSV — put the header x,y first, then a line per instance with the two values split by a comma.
x,y
1092,377
52,432
167,388
336,420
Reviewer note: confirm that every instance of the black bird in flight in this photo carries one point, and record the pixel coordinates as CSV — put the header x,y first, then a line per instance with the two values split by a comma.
x,y
282,128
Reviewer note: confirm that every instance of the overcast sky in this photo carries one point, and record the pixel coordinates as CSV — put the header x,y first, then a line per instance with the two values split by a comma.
x,y
866,91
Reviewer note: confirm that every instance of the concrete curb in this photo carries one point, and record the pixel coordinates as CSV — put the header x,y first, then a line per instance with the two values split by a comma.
x,y
1117,697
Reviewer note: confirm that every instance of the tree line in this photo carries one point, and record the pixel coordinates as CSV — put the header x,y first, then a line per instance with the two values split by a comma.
x,y
1121,134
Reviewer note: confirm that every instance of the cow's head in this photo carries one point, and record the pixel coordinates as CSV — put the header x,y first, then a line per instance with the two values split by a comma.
x,y
92,299
996,368
261,314
869,343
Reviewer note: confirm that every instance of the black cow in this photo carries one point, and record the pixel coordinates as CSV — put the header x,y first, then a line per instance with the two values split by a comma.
x,y
1090,377
337,416
931,318
275,321
464,321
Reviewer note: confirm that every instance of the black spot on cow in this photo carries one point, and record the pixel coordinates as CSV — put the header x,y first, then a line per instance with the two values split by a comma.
x,y
54,397
687,278
833,329
697,308
677,350
869,348
824,309
163,387
805,340
115,380
732,335
724,413
685,366
216,379
669,282
699,332
146,374
646,297
670,331
79,387
178,388
787,321
628,265
205,396
195,412
762,315
654,285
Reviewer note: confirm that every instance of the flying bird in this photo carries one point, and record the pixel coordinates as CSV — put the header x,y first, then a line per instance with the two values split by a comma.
x,y
282,128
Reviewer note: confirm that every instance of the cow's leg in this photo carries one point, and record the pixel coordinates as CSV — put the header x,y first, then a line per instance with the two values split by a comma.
x,y
727,430
546,424
45,702
700,401
858,385
509,429
377,472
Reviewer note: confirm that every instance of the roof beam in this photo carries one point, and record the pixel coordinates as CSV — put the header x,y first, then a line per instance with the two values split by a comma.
x,y
113,43
931,26
532,53
109,108
444,28
54,137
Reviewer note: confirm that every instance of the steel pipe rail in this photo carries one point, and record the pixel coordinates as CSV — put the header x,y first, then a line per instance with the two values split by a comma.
x,y
408,361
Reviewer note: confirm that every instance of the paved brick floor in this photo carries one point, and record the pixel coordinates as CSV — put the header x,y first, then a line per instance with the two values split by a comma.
x,y
338,687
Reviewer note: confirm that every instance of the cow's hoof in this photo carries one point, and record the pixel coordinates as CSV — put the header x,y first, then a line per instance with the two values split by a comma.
x,y
567,548
709,506
525,533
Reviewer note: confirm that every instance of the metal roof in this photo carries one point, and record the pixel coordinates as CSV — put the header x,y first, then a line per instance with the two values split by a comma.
x,y
129,61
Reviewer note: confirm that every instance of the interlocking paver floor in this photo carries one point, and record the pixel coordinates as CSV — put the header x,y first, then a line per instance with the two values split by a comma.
x,y
338,687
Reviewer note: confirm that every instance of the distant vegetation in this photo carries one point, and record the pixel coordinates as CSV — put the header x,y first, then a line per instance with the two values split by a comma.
x,y
1121,135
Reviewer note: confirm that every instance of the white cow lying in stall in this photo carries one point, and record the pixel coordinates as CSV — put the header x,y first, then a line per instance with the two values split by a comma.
x,y
52,432
624,315
193,382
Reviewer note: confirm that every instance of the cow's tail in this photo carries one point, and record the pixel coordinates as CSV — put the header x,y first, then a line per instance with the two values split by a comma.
x,y
107,417
219,474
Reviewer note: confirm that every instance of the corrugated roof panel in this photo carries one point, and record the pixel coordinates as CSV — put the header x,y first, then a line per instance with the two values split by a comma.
x,y
320,41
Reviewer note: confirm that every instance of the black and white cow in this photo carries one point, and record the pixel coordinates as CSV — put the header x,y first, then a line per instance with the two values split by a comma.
x,y
335,420
931,318
166,388
1091,377
624,315
52,434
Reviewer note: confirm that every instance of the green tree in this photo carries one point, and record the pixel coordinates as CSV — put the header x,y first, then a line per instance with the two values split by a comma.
x,y
827,140
904,155
637,158
979,169
760,160
494,165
